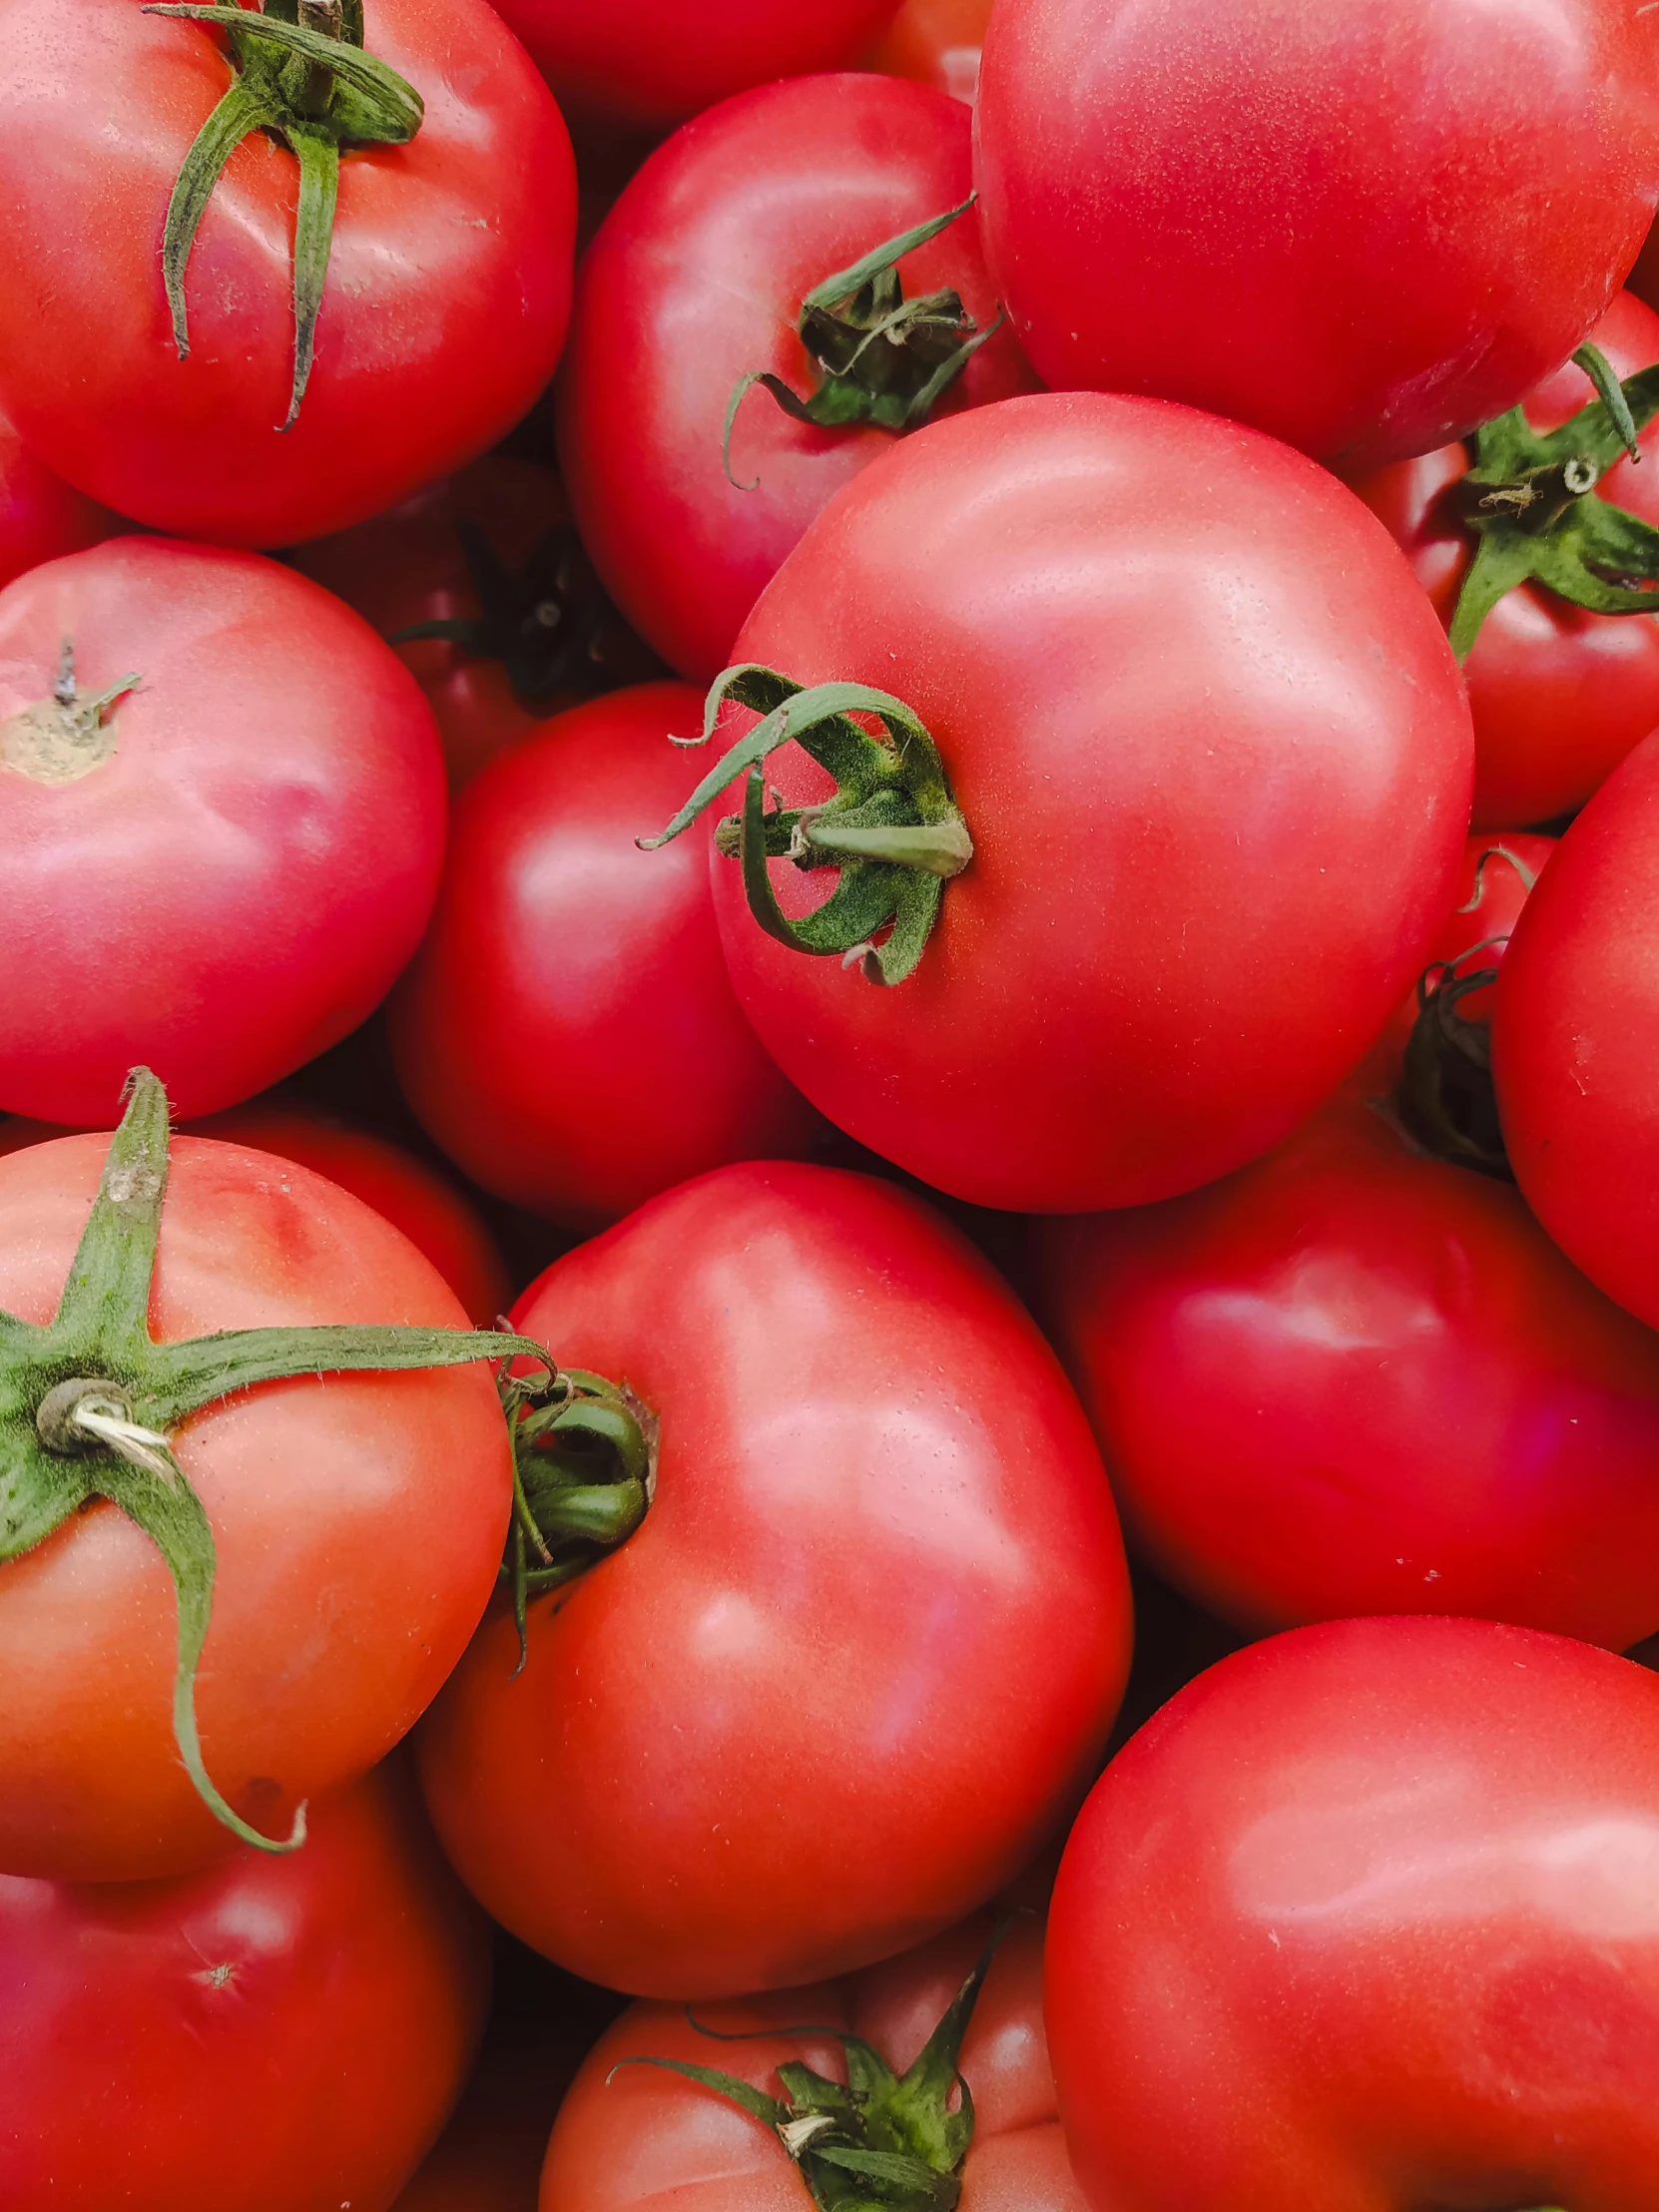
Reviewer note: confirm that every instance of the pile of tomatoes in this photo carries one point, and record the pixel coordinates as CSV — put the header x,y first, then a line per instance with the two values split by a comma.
x,y
829,1153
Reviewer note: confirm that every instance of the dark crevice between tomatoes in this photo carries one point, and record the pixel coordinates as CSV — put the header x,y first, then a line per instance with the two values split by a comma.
x,y
549,623
880,359
584,1475
882,2142
60,738
1530,500
892,829
89,1403
300,74
1446,1102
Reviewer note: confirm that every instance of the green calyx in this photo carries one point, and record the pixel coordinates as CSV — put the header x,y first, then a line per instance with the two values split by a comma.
x,y
1530,500
881,357
893,828
88,1403
584,1471
299,72
884,2142
548,623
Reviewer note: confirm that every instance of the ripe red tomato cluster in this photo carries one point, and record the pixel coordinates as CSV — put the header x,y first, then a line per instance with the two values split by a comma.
x,y
828,1148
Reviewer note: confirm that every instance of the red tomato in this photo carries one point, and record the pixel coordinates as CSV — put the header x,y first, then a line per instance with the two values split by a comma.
x,y
1560,695
1363,228
220,871
489,2158
358,1521
1216,811
1573,1037
653,63
696,278
542,636
1365,1921
442,318
642,2137
937,43
40,515
272,2035
568,1034
864,1649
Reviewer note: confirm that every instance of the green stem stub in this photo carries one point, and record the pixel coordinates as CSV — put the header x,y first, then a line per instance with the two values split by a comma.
x,y
882,2142
1530,500
298,73
893,828
880,359
88,1403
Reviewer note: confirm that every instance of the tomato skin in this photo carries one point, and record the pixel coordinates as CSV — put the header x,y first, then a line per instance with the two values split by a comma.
x,y
647,2137
1363,1922
40,515
1560,695
1264,211
358,1522
874,1487
1279,829
654,63
447,294
558,945
238,885
696,276
489,2158
1572,1039
147,2024
937,43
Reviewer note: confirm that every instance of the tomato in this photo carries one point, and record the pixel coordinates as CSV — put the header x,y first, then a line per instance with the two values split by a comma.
x,y
937,43
272,2036
491,558
1365,1921
697,279
1560,693
358,1521
40,515
1363,228
1215,811
649,64
443,311
218,865
642,2136
489,2158
568,1034
1572,1039
863,1654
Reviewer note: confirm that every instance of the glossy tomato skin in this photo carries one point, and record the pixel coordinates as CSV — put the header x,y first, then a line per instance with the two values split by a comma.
x,y
1352,1378
1560,695
358,1522
1572,1039
1361,228
1363,1922
862,1653
272,2036
1216,809
649,64
937,43
568,1034
642,2137
40,515
237,885
443,315
695,277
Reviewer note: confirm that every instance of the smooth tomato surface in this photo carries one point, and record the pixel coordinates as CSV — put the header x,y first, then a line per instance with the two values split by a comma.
x,y
1573,1035
861,1655
653,63
1363,225
233,885
646,2138
443,314
358,1521
695,277
272,2036
1216,809
1560,695
937,43
568,1032
40,515
1363,1922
